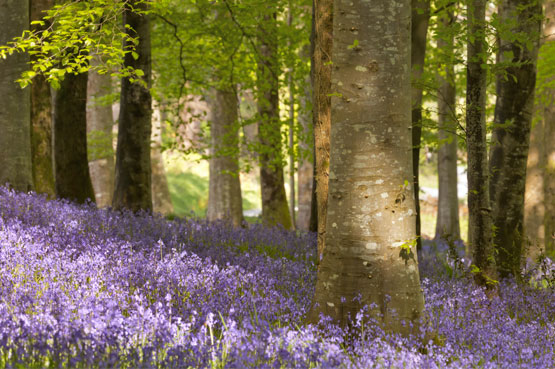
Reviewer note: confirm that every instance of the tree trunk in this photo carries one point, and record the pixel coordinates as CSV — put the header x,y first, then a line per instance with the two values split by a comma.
x,y
321,79
15,114
133,176
480,220
224,193
100,122
370,254
306,166
41,117
161,199
513,119
71,168
549,139
275,209
549,179
447,225
419,30
534,201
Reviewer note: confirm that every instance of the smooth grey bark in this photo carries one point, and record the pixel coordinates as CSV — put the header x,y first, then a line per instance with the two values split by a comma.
x,y
321,110
480,224
161,199
534,200
15,114
370,253
224,192
100,123
513,119
71,169
447,225
549,139
275,209
420,15
41,117
539,202
133,171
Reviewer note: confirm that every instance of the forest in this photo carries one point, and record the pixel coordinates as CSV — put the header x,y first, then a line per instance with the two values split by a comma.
x,y
277,184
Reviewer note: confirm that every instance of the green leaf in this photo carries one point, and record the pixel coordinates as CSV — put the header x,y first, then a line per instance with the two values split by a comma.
x,y
354,45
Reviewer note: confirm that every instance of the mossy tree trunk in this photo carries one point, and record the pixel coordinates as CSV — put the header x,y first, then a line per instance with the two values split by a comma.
x,y
480,224
71,167
41,117
275,209
15,114
513,119
133,173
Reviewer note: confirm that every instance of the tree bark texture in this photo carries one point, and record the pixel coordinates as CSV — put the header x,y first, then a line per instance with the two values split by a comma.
x,y
161,199
275,209
292,191
15,114
306,166
480,220
513,119
549,139
447,225
370,254
224,192
321,79
100,123
133,176
534,201
419,30
41,117
549,179
71,168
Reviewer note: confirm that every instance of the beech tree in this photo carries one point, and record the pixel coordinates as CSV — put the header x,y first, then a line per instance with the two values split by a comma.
x,y
133,175
161,197
420,16
447,223
480,222
306,160
100,123
41,115
518,50
539,200
370,241
15,145
547,71
322,42
71,168
224,194
275,209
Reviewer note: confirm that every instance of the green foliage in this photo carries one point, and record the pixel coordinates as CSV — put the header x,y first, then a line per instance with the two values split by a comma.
x,y
545,82
70,34
201,45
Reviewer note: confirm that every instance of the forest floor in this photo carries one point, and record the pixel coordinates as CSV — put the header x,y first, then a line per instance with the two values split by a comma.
x,y
87,288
